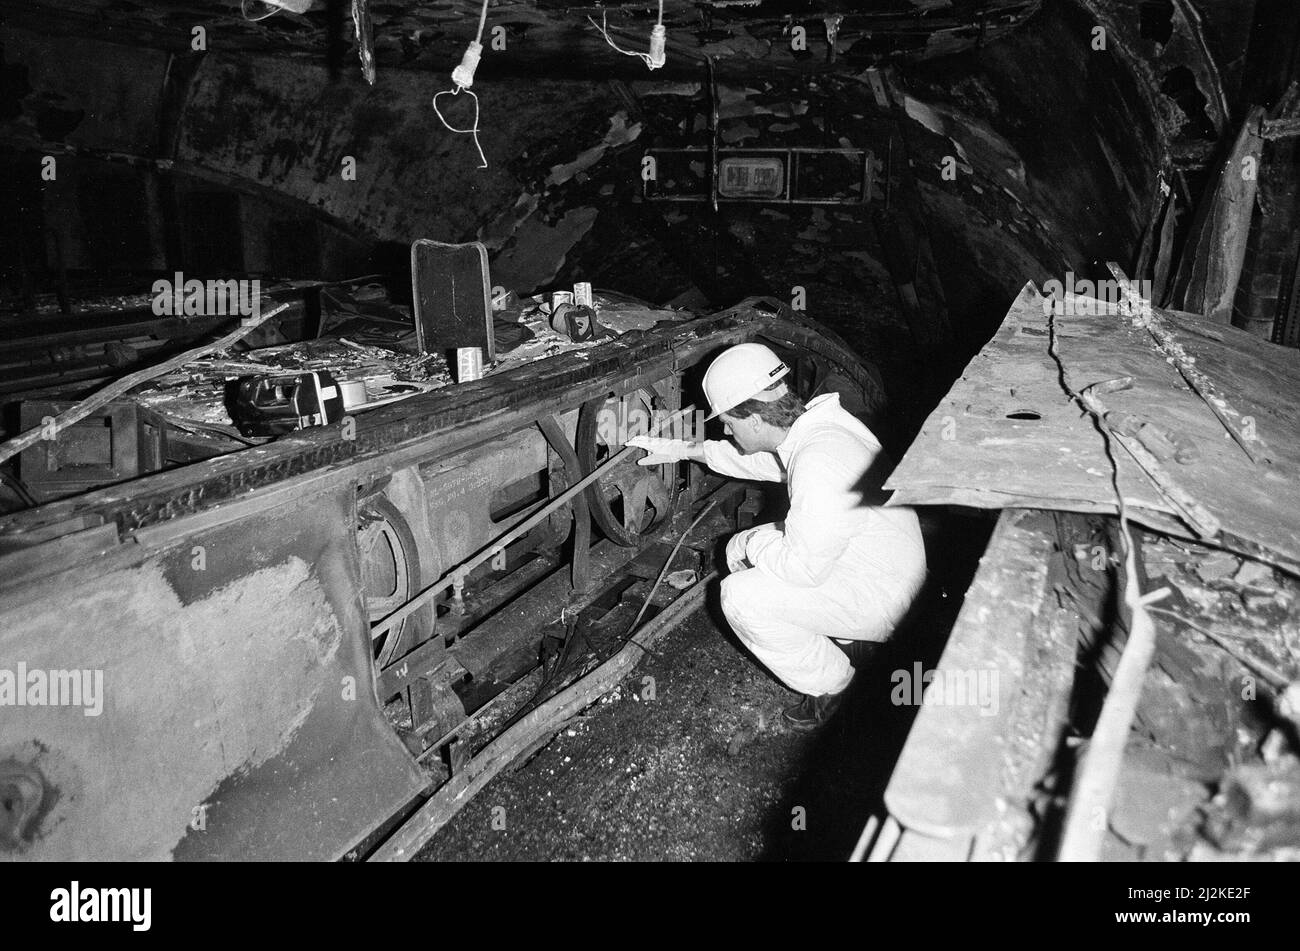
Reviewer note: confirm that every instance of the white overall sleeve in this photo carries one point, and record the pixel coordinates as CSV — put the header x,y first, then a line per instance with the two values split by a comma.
x,y
724,458
823,491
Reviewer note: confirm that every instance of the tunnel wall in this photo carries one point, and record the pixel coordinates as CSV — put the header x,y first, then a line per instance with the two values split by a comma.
x,y
1059,147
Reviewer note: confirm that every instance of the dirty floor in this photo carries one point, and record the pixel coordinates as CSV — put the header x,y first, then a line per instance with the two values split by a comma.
x,y
688,758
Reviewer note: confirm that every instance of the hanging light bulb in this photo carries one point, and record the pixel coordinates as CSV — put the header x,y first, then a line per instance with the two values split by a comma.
x,y
658,40
261,9
462,77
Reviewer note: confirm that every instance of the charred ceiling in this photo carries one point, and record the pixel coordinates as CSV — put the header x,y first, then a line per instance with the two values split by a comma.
x,y
555,36
1001,140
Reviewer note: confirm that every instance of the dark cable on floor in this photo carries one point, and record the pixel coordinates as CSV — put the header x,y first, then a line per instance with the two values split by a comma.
x,y
19,487
557,669
664,571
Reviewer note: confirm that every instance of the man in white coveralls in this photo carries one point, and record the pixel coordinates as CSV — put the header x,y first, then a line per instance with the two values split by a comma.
x,y
838,570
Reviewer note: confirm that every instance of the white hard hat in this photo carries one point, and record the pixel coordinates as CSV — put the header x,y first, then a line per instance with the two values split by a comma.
x,y
740,373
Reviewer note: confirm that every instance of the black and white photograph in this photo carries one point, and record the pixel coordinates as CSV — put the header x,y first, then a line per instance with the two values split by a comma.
x,y
763,432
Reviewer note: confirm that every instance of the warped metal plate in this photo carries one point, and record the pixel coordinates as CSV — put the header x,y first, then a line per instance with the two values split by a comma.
x,y
1008,436
225,707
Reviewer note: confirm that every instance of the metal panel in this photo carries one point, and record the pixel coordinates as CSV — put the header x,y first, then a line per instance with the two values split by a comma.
x,y
238,717
1008,436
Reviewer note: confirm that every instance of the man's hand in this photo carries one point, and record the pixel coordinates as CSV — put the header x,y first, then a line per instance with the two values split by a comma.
x,y
737,560
662,451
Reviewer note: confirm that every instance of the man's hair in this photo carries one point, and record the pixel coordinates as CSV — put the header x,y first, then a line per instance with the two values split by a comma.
x,y
781,412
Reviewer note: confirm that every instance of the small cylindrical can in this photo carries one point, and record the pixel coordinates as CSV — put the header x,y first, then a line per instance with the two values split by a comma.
x,y
469,364
354,393
560,297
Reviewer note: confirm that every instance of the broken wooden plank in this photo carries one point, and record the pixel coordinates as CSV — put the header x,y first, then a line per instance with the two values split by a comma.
x,y
949,779
1189,509
1098,774
1141,312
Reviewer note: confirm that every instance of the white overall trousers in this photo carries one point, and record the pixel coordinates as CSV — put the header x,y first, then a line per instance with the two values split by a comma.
x,y
837,567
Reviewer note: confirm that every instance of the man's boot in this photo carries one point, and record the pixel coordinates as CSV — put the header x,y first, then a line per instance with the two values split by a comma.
x,y
811,713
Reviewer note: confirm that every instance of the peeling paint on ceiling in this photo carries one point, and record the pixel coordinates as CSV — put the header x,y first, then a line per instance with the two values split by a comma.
x,y
620,133
539,250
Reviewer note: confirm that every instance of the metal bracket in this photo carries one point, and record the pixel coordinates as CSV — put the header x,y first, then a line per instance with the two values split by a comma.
x,y
559,442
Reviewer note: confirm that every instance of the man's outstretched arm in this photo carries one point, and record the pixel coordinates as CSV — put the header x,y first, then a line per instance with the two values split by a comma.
x,y
718,454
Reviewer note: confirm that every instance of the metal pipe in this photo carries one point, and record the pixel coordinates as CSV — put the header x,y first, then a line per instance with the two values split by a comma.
x,y
883,848
865,840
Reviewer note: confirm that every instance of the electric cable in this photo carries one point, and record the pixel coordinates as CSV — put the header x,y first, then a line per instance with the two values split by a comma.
x,y
556,673
20,488
271,8
1098,772
463,78
664,570
269,11
658,40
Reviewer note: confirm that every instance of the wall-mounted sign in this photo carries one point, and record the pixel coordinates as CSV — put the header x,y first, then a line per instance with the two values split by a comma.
x,y
751,176
788,176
